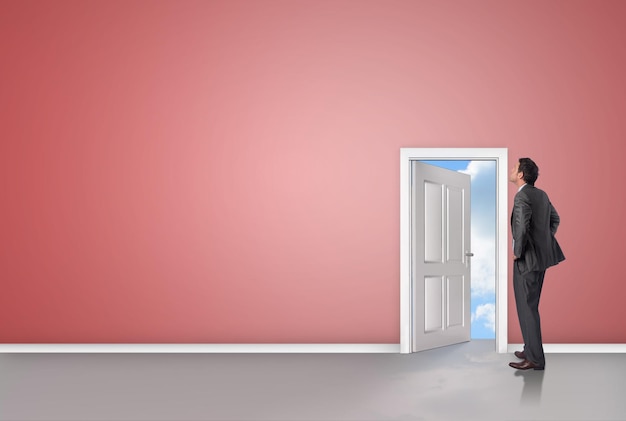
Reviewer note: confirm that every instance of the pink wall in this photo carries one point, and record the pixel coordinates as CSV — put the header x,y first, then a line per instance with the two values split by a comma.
x,y
223,171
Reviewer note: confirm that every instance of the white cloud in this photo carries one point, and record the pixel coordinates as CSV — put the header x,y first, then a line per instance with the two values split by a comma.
x,y
486,314
483,227
483,266
476,168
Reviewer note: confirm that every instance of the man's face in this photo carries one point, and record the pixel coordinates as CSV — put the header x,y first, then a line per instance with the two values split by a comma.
x,y
515,174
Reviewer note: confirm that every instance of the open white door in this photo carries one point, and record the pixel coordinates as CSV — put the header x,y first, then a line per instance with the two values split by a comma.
x,y
440,256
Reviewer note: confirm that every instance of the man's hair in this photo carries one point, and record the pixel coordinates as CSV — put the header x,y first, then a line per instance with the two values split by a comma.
x,y
530,170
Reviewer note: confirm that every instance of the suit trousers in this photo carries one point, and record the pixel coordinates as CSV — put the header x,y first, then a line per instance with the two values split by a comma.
x,y
527,287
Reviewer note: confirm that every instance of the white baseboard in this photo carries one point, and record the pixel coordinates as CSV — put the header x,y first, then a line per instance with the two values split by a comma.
x,y
575,348
199,348
272,348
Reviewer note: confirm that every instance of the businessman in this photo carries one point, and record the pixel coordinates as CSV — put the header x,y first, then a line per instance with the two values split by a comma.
x,y
534,222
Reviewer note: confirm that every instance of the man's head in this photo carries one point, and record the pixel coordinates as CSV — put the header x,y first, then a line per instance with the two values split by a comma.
x,y
525,171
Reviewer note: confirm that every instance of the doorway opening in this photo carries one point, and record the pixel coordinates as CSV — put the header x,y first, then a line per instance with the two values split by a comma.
x,y
483,239
492,161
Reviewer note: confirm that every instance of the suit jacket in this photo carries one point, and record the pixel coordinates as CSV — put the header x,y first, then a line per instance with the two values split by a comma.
x,y
534,222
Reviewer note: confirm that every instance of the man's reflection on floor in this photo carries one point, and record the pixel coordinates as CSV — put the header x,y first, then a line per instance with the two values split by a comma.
x,y
531,392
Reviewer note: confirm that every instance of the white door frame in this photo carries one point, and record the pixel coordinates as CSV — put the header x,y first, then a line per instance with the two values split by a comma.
x,y
466,154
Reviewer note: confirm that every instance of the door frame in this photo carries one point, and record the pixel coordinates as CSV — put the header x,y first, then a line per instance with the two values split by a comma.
x,y
499,155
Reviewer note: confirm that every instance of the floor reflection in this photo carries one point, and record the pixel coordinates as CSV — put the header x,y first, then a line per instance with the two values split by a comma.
x,y
533,381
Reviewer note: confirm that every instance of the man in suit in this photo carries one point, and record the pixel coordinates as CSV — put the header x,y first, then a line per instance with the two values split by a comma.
x,y
534,222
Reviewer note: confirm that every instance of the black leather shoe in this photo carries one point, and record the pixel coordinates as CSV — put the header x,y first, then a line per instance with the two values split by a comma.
x,y
520,355
526,365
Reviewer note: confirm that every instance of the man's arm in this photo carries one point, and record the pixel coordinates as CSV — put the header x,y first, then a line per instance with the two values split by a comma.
x,y
522,213
554,220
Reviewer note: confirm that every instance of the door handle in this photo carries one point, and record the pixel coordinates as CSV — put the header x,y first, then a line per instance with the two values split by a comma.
x,y
468,254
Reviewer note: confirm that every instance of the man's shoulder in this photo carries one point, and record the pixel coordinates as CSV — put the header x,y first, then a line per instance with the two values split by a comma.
x,y
530,190
533,194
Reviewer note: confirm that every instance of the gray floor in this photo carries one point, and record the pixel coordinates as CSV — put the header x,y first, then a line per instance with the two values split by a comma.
x,y
466,381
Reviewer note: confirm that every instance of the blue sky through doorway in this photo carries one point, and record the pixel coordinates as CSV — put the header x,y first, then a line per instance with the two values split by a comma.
x,y
483,209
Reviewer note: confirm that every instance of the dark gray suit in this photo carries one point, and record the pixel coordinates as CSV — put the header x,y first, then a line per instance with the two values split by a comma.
x,y
534,222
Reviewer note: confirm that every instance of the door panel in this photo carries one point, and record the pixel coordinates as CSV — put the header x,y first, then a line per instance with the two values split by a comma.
x,y
433,310
456,306
433,226
440,265
455,224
